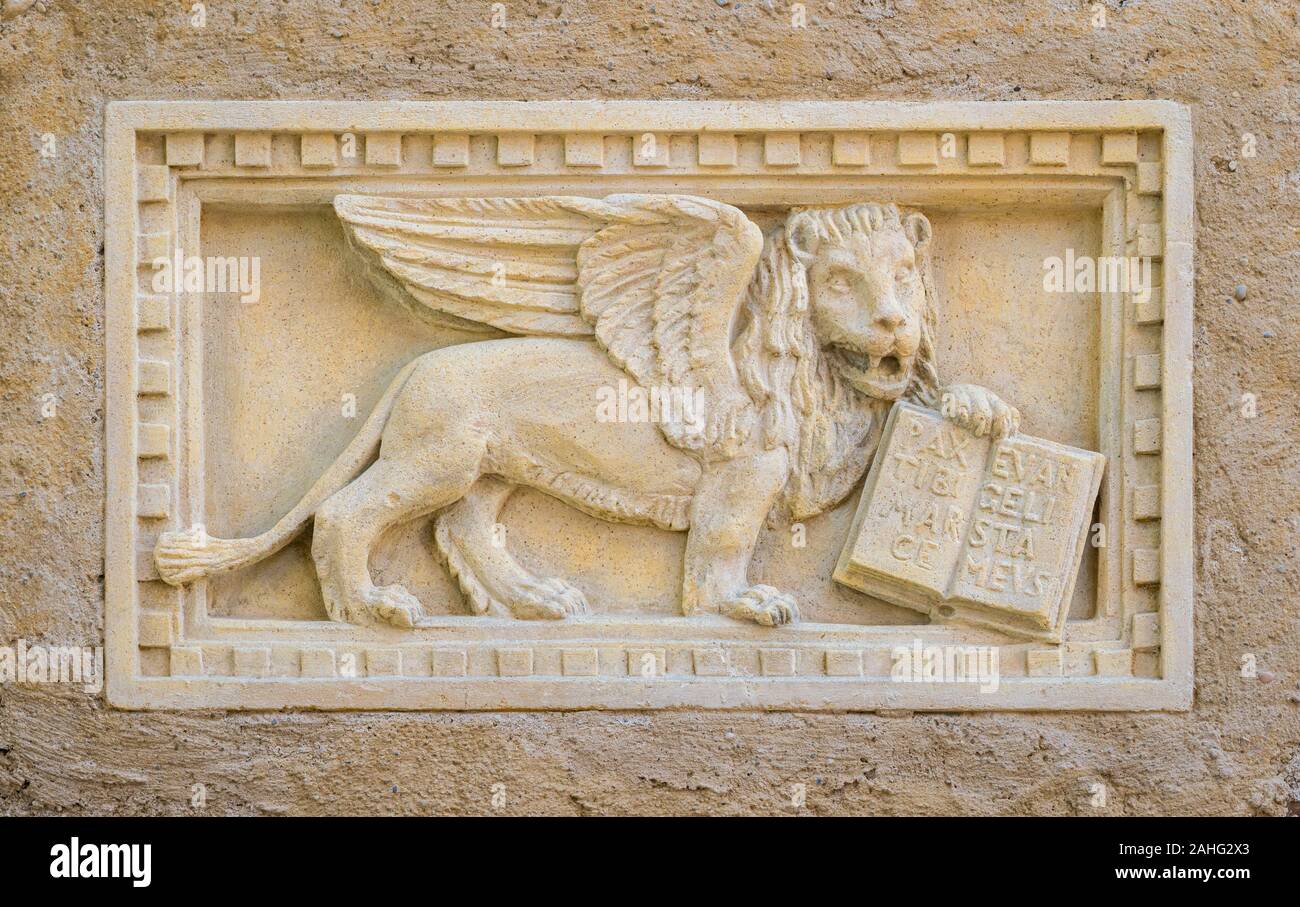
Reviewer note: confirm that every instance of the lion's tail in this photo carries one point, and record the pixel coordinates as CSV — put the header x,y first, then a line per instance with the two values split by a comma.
x,y
187,555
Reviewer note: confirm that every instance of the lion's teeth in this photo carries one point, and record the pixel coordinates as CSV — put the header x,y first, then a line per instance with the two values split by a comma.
x,y
873,361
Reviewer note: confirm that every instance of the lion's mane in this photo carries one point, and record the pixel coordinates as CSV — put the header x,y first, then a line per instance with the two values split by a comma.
x,y
829,427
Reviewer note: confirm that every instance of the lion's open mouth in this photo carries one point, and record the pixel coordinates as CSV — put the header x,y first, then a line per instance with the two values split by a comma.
x,y
884,376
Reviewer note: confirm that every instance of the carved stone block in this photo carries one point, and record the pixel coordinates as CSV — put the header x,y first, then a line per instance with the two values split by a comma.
x,y
443,406
986,149
184,149
384,149
450,150
1051,148
851,149
1043,662
319,149
253,149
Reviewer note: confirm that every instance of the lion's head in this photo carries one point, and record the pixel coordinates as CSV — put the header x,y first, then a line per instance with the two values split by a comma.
x,y
840,324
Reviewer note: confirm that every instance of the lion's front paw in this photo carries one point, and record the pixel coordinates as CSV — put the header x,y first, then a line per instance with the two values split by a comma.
x,y
763,605
979,411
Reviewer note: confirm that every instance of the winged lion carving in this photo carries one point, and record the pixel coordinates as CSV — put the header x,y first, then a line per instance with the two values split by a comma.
x,y
797,342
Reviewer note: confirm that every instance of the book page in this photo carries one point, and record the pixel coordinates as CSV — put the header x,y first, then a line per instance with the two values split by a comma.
x,y
1022,547
919,501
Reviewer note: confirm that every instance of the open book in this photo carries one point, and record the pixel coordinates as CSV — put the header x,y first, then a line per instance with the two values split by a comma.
x,y
968,529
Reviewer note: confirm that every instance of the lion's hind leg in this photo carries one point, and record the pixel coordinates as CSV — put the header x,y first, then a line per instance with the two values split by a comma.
x,y
350,522
470,539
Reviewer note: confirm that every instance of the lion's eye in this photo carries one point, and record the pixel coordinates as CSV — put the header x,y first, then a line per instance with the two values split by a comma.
x,y
904,275
838,283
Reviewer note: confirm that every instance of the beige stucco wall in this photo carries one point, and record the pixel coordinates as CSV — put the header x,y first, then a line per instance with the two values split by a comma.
x,y
1234,64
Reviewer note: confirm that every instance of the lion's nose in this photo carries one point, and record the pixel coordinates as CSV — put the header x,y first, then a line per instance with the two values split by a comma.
x,y
890,314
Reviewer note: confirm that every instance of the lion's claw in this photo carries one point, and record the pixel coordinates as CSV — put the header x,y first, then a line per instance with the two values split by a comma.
x,y
979,411
763,605
394,605
547,598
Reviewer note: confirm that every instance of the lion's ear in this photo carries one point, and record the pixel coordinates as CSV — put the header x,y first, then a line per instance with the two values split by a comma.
x,y
803,235
917,228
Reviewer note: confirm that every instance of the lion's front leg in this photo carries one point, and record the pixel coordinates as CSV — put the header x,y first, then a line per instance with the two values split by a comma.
x,y
731,502
979,411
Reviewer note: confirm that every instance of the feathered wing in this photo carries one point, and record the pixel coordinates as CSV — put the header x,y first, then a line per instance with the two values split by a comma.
x,y
506,263
657,279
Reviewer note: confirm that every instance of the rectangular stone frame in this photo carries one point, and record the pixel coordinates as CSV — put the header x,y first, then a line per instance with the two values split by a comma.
x,y
1129,159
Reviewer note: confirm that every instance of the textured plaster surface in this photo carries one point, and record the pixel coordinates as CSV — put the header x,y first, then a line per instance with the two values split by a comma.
x,y
1234,63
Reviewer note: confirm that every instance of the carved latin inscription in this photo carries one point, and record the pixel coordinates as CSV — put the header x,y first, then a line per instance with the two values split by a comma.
x,y
958,527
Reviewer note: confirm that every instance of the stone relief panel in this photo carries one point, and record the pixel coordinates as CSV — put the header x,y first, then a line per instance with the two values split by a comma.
x,y
841,406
